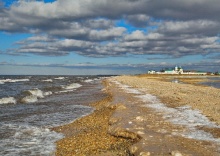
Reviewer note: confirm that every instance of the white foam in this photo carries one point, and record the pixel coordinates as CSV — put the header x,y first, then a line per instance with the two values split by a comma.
x,y
28,140
97,79
133,91
127,88
8,100
184,115
48,80
89,81
12,80
69,88
188,117
148,98
59,78
64,91
35,94
47,93
29,99
73,86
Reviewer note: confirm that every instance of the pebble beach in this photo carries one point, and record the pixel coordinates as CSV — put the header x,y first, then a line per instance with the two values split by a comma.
x,y
147,115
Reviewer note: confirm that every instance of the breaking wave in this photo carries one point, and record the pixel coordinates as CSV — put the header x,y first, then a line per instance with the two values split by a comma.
x,y
89,81
30,109
8,100
59,78
73,86
28,140
48,80
3,81
34,95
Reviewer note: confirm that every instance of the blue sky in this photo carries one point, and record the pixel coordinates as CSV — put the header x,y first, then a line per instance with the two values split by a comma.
x,y
108,37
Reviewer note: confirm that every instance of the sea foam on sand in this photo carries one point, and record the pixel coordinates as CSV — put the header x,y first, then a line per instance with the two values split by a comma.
x,y
184,115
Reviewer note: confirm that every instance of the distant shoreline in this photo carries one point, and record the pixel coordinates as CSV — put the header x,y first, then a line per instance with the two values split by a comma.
x,y
197,80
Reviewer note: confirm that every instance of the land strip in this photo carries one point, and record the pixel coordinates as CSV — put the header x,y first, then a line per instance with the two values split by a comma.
x,y
89,135
123,125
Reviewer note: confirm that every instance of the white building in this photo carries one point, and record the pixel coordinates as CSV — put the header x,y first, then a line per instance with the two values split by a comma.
x,y
151,72
176,70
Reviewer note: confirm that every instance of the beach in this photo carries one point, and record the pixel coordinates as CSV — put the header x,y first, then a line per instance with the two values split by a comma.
x,y
147,115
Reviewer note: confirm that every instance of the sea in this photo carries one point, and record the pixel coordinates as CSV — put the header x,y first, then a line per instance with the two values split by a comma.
x,y
31,105
213,82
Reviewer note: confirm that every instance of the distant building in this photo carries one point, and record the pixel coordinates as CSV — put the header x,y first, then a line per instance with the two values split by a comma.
x,y
176,70
151,72
195,73
169,71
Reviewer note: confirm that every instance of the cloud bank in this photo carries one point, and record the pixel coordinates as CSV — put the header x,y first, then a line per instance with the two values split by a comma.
x,y
173,28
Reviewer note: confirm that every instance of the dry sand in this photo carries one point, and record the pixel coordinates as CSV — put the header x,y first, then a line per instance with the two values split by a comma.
x,y
123,125
206,99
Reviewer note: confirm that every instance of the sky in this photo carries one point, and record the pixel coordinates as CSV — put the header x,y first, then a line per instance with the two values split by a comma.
x,y
90,37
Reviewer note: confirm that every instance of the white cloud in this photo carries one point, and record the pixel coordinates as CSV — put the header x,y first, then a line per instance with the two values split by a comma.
x,y
103,35
139,20
88,27
135,35
206,27
69,43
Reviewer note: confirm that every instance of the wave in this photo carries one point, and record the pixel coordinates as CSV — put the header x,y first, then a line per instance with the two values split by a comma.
x,y
37,93
48,80
69,88
72,86
12,80
29,99
48,93
59,78
28,140
94,79
89,81
64,91
8,100
33,95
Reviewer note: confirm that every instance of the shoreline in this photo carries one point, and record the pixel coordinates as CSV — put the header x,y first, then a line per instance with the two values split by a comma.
x,y
89,135
131,132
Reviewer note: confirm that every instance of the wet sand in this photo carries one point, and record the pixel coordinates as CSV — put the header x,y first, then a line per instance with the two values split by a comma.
x,y
89,135
122,125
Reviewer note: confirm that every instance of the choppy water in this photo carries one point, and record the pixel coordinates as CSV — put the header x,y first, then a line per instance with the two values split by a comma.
x,y
31,105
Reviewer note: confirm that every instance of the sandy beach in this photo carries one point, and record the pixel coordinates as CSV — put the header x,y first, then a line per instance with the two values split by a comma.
x,y
148,115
